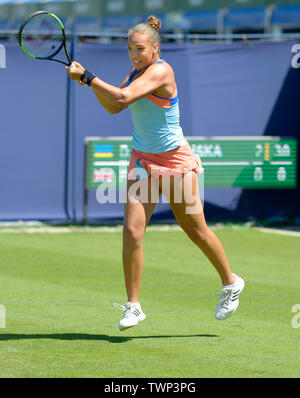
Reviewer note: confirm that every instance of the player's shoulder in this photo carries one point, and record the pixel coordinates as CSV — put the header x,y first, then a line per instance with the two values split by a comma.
x,y
161,67
131,70
125,81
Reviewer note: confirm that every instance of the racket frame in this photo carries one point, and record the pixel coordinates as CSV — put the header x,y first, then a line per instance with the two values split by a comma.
x,y
63,44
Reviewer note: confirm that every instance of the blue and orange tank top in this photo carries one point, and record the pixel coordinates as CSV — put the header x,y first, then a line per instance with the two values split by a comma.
x,y
156,122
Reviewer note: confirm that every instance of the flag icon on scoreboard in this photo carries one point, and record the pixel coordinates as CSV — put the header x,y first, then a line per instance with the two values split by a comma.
x,y
105,174
103,151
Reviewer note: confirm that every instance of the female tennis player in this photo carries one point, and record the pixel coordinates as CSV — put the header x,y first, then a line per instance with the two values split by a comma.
x,y
163,155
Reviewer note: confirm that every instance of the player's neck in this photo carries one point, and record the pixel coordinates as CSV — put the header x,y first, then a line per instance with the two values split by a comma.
x,y
155,59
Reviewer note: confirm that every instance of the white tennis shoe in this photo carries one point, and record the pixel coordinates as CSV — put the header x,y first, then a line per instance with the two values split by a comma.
x,y
133,314
228,298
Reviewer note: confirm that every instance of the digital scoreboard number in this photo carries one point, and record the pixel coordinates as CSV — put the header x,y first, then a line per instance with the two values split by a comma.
x,y
246,162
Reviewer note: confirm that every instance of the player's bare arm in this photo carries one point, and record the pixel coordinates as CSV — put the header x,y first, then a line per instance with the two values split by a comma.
x,y
108,103
157,77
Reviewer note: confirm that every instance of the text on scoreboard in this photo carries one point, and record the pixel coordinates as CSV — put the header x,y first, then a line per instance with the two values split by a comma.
x,y
246,162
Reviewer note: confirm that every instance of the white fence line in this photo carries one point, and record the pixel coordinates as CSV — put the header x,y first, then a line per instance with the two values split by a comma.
x,y
174,36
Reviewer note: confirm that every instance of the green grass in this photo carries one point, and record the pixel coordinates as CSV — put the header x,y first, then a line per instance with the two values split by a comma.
x,y
58,290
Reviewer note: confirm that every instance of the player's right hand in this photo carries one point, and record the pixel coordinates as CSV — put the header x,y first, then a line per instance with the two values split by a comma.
x,y
75,70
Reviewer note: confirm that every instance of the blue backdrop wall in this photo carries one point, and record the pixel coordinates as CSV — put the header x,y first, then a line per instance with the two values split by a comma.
x,y
225,89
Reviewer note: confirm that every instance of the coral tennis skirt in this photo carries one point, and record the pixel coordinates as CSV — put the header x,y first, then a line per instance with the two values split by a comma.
x,y
177,161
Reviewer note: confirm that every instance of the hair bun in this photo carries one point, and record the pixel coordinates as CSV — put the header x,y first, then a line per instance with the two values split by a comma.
x,y
154,22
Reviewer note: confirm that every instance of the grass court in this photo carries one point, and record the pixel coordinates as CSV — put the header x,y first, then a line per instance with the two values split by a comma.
x,y
58,291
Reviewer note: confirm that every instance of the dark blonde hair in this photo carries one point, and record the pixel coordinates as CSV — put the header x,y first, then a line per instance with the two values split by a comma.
x,y
150,28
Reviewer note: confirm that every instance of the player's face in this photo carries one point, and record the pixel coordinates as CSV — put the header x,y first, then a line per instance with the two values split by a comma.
x,y
141,51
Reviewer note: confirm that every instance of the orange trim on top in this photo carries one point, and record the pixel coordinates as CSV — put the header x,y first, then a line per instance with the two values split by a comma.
x,y
162,102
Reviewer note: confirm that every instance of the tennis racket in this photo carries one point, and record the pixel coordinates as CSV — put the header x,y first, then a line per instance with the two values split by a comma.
x,y
42,36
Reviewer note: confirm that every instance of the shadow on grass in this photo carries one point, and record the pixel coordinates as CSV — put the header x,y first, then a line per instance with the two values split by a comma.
x,y
83,336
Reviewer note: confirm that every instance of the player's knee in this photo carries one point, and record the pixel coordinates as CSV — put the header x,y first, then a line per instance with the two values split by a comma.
x,y
199,235
133,233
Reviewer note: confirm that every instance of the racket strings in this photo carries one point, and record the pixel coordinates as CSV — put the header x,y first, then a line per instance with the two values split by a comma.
x,y
42,36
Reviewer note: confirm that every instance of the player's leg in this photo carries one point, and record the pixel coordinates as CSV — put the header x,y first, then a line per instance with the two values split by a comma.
x,y
137,213
138,209
186,205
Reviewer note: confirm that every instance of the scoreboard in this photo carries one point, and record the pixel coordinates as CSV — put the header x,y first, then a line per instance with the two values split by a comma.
x,y
247,162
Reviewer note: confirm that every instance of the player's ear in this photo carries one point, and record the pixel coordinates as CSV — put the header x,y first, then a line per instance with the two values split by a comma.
x,y
155,48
